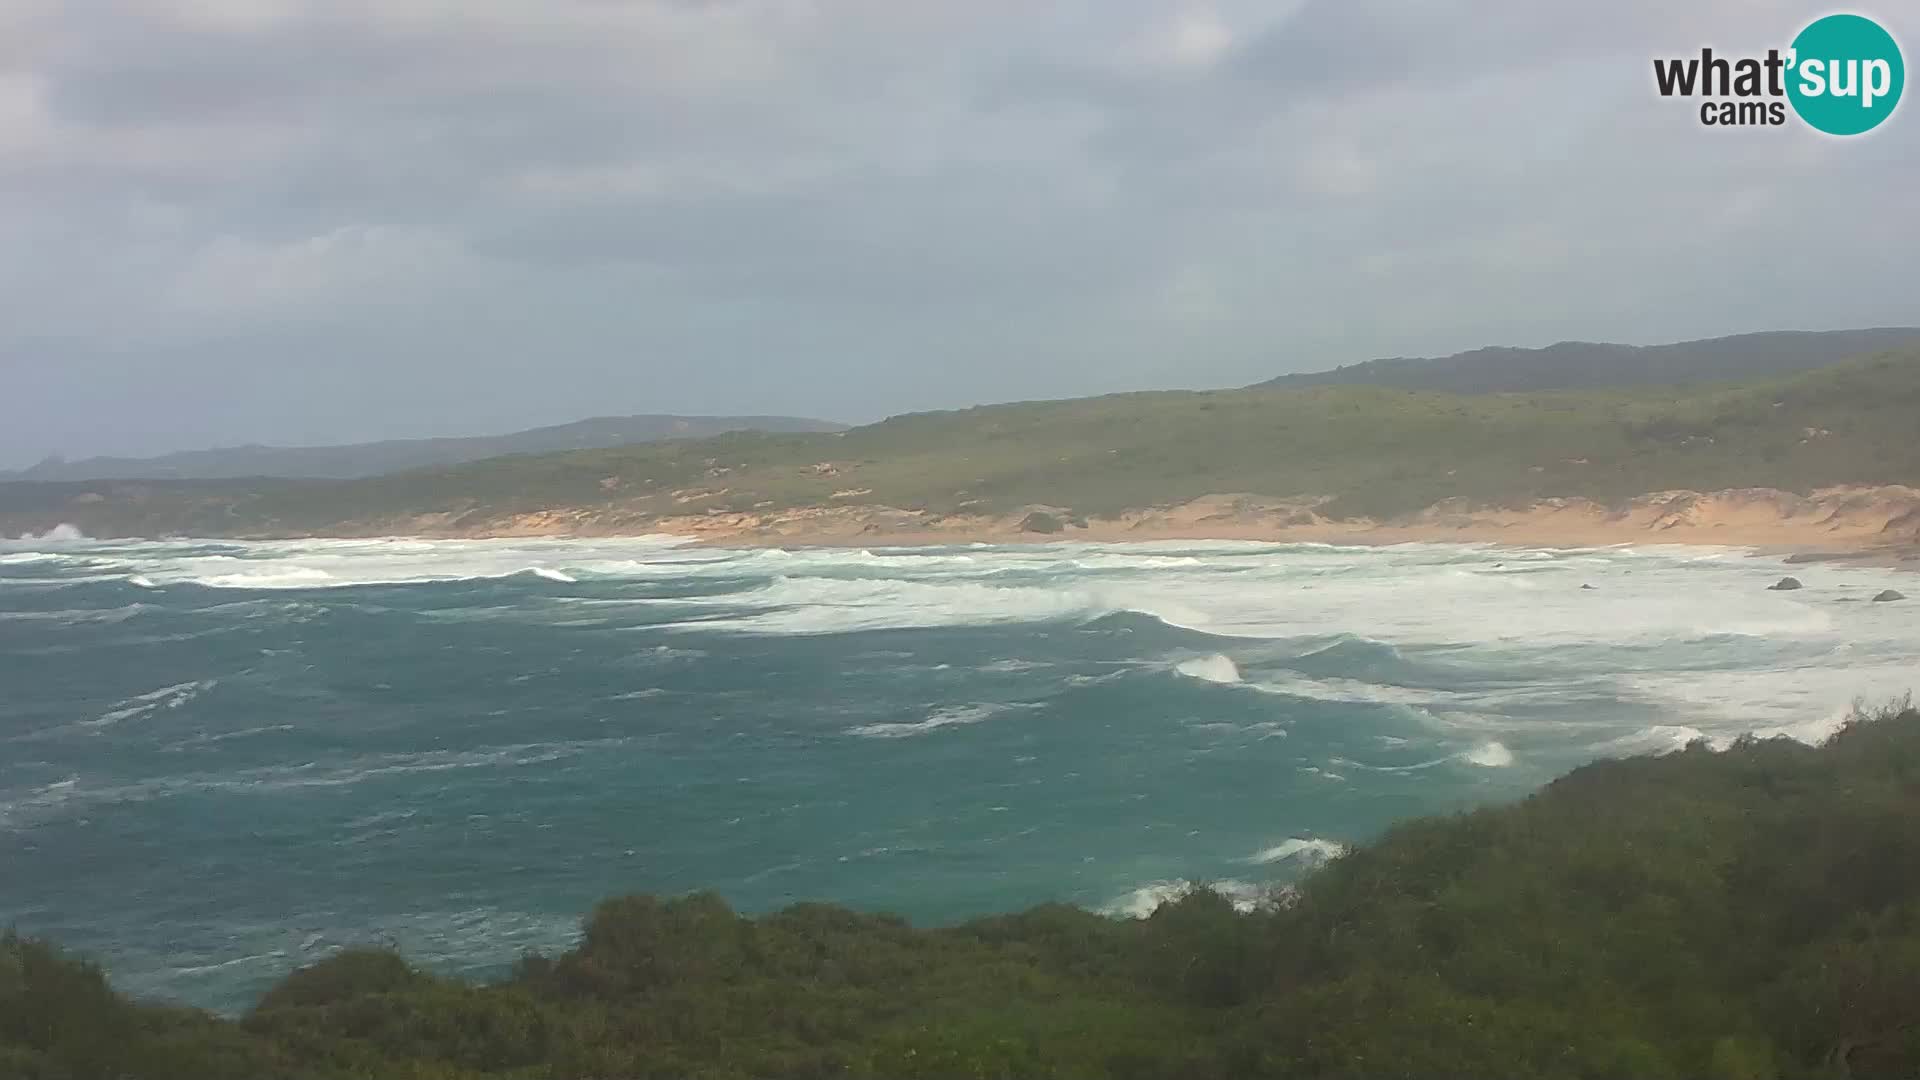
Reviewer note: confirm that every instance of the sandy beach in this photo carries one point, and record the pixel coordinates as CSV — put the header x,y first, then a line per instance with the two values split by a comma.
x,y
1869,524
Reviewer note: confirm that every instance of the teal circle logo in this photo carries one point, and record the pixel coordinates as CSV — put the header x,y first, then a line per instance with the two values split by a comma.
x,y
1845,74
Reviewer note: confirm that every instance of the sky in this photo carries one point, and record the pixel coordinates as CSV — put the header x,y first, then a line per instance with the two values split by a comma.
x,y
316,221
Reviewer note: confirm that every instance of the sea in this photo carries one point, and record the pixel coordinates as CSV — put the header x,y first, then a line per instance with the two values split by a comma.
x,y
222,760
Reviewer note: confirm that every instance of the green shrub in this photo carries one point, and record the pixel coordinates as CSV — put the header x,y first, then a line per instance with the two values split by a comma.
x,y
347,974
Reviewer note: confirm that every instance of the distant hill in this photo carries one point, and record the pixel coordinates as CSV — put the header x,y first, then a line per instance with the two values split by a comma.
x,y
1373,451
394,455
1582,365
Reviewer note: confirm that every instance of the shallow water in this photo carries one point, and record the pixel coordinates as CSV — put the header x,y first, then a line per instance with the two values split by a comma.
x,y
220,760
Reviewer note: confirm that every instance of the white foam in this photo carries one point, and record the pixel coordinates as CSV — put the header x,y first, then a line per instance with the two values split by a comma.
x,y
669,654
1344,690
1216,668
951,716
1311,850
228,736
139,705
1807,701
1014,665
838,605
324,564
59,534
1666,738
1117,561
1142,902
25,558
1349,763
1489,755
47,797
293,577
142,581
1653,739
1813,730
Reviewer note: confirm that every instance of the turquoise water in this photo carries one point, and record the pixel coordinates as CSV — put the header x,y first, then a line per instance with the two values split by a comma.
x,y
220,760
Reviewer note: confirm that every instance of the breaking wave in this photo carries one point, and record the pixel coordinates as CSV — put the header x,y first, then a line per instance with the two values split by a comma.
x,y
59,534
1489,755
1214,669
789,605
139,705
953,716
24,558
1143,901
1304,849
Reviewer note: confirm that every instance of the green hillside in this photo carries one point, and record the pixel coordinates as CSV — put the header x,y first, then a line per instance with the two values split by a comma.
x,y
1376,451
1738,915
1576,364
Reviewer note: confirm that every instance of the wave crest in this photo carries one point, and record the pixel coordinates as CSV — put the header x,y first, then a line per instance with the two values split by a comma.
x,y
951,716
139,705
1217,668
1309,850
62,533
1143,901
1489,755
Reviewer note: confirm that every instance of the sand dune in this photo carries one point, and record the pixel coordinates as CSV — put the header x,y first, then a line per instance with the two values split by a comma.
x,y
1867,522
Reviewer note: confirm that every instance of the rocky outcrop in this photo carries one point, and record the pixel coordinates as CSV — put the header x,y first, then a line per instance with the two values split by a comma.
x,y
1785,584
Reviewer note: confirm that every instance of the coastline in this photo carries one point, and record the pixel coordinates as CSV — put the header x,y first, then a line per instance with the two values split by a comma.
x,y
1877,525
1867,525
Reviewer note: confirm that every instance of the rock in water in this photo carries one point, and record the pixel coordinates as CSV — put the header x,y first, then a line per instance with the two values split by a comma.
x,y
1889,595
1785,584
1586,586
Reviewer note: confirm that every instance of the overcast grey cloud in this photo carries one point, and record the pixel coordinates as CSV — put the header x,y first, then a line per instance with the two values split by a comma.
x,y
328,220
